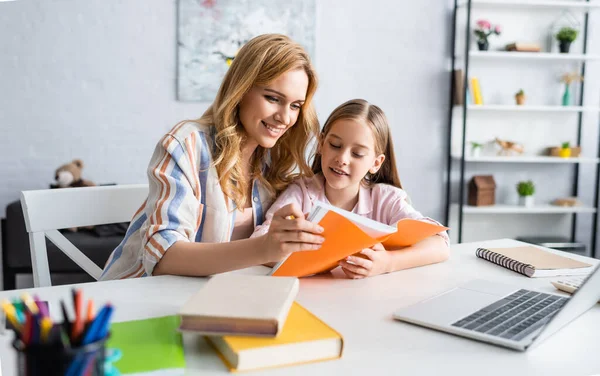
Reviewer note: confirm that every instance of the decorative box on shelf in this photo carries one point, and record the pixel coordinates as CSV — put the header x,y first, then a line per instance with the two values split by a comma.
x,y
555,151
482,190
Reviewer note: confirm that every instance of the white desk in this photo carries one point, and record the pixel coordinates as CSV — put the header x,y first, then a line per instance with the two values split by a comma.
x,y
361,310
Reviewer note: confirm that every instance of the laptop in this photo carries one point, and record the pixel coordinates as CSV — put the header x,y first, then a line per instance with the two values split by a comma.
x,y
502,314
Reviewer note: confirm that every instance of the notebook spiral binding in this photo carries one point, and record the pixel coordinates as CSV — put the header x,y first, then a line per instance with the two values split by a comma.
x,y
506,262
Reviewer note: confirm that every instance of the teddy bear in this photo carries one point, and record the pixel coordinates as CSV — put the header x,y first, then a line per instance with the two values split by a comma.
x,y
69,175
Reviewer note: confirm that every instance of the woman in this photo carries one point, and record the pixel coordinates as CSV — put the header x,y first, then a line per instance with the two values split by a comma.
x,y
211,180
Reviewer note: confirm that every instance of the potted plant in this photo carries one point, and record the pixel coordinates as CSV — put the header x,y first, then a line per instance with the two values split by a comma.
x,y
565,37
476,149
526,189
482,31
565,150
567,79
520,97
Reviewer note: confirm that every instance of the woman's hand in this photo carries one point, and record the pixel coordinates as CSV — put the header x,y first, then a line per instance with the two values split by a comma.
x,y
367,263
290,232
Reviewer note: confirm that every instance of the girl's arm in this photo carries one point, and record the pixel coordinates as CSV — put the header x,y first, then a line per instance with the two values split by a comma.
x,y
377,260
430,250
293,194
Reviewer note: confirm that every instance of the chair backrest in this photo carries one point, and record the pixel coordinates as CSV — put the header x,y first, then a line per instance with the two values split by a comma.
x,y
49,210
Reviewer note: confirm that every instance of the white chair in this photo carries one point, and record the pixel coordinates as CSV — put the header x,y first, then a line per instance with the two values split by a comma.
x,y
49,210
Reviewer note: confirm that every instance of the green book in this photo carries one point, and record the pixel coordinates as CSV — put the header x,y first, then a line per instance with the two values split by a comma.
x,y
148,345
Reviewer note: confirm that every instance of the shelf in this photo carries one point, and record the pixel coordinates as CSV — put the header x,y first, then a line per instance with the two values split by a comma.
x,y
517,209
579,5
527,159
529,108
512,55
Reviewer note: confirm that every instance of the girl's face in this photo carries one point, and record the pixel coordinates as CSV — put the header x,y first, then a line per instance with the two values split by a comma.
x,y
348,154
267,112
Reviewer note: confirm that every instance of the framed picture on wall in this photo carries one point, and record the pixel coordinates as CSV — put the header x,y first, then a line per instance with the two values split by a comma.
x,y
210,32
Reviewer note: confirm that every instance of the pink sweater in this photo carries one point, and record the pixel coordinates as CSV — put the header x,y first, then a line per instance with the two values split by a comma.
x,y
383,203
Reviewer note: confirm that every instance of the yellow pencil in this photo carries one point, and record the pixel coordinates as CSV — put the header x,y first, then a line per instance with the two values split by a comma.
x,y
11,314
30,303
46,326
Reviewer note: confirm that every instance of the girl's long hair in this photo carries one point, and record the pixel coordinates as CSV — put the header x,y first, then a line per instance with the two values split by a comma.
x,y
259,62
372,116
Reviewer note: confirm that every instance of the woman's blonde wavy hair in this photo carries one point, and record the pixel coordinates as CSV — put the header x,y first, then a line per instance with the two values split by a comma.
x,y
372,116
259,62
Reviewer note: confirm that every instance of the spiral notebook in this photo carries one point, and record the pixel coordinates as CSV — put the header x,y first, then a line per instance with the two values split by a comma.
x,y
534,262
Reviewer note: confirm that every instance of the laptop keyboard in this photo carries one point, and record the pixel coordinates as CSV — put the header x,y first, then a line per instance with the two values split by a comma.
x,y
515,316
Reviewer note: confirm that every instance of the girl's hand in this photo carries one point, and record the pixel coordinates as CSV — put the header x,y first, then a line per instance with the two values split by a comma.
x,y
367,263
290,232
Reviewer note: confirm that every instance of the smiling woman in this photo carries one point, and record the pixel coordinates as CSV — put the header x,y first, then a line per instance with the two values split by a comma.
x,y
213,178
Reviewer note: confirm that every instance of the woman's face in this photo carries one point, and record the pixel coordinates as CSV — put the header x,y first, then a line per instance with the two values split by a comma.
x,y
267,112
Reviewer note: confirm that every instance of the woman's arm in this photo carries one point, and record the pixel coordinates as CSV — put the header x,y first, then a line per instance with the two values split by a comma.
x,y
203,259
284,237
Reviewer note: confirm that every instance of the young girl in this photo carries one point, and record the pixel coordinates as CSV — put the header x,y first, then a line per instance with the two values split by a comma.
x,y
212,178
355,170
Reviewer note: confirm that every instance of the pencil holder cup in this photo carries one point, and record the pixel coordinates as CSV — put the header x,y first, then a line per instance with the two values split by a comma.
x,y
56,360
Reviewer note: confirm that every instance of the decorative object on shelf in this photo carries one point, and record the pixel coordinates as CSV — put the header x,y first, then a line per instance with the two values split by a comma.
x,y
567,79
476,90
566,201
554,151
483,30
520,97
509,147
459,87
523,47
526,190
482,191
565,37
565,150
566,19
476,149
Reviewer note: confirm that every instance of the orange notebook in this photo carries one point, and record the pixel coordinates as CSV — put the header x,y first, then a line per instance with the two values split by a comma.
x,y
305,338
347,233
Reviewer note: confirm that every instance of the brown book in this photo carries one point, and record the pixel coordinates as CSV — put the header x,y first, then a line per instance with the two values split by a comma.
x,y
523,47
459,90
534,262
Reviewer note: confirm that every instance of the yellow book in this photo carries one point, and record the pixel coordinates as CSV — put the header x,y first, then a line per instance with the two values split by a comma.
x,y
477,98
304,338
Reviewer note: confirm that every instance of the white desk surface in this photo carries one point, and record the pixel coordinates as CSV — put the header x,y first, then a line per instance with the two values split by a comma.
x,y
361,310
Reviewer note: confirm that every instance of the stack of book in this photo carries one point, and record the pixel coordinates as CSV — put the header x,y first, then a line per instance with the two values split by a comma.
x,y
253,323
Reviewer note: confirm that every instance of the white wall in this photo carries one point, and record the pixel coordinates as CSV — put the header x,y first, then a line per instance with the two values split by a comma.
x,y
95,79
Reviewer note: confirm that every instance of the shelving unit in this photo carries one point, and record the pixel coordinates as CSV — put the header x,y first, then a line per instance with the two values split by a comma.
x,y
526,159
465,58
529,108
536,56
528,4
517,209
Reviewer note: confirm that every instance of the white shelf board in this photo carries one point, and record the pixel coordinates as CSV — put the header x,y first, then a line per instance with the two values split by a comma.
x,y
513,55
517,209
527,159
529,108
579,5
